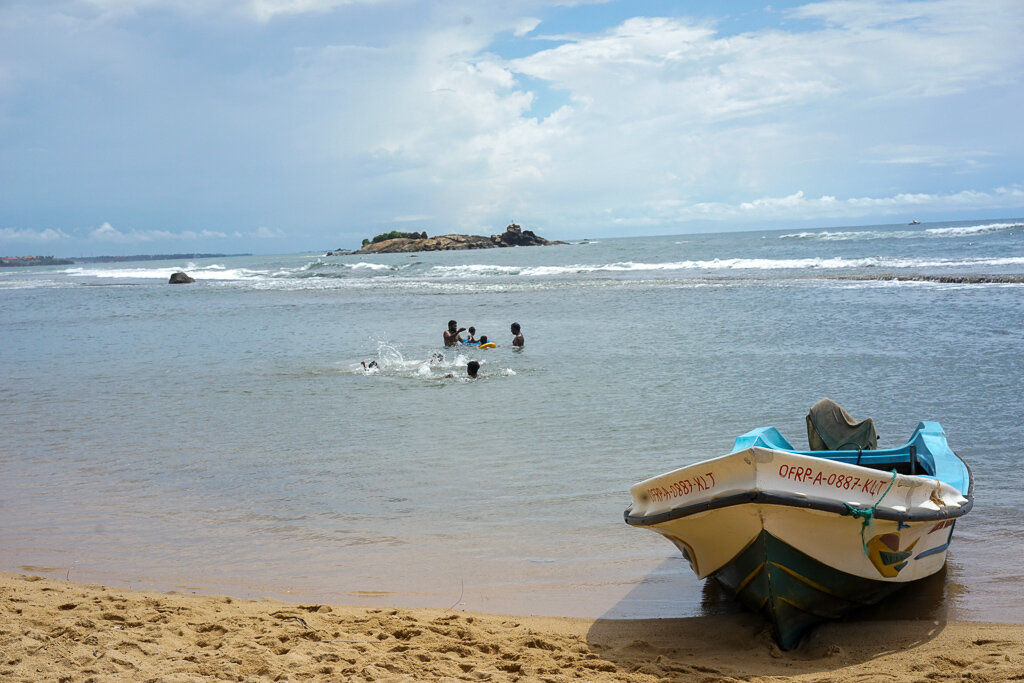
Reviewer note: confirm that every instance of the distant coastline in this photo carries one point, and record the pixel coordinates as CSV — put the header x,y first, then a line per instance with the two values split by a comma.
x,y
25,261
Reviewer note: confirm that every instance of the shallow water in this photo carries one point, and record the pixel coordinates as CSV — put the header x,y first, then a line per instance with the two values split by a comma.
x,y
224,437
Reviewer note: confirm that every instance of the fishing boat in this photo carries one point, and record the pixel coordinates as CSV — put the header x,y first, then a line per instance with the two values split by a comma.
x,y
806,536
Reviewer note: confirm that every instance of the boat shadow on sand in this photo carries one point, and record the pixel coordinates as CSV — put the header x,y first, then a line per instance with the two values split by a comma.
x,y
729,641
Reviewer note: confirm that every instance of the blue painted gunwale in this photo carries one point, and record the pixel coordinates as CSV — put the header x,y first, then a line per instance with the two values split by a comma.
x,y
935,458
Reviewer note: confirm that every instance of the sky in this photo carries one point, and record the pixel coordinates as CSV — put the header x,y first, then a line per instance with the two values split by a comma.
x,y
290,126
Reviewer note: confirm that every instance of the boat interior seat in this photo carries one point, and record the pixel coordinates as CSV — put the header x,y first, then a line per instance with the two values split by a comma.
x,y
831,428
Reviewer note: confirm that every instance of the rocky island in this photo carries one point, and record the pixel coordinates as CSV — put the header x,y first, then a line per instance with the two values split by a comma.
x,y
514,236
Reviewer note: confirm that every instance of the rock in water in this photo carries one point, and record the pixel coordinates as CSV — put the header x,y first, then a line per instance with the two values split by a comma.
x,y
515,236
180,278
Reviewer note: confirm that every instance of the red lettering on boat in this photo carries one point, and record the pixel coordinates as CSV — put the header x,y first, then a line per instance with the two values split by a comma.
x,y
682,487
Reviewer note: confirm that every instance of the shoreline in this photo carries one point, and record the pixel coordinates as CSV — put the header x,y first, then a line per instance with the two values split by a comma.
x,y
53,629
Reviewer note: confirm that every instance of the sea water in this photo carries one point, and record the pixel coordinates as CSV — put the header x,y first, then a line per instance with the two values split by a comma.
x,y
224,436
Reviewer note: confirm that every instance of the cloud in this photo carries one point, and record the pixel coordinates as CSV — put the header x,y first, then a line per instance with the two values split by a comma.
x,y
799,206
658,108
108,233
525,26
32,236
266,10
689,72
264,233
308,114
931,155
261,11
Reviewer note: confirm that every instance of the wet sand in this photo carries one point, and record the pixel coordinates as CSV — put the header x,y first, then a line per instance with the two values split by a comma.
x,y
53,630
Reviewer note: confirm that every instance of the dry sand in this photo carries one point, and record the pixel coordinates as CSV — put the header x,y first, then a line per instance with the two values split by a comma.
x,y
52,630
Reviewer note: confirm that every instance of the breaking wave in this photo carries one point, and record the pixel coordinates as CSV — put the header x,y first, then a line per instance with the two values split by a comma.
x,y
972,230
747,264
207,272
481,277
847,235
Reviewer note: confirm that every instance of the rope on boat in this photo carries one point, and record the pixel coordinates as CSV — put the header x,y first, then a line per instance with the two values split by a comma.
x,y
868,513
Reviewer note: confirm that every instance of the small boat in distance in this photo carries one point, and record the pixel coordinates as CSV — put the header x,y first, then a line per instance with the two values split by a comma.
x,y
914,222
805,536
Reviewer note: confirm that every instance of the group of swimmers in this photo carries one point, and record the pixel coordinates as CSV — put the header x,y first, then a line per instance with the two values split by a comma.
x,y
453,336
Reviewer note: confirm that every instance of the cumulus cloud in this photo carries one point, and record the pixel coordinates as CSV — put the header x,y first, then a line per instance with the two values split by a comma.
x,y
264,233
525,26
462,115
45,236
108,233
800,206
658,108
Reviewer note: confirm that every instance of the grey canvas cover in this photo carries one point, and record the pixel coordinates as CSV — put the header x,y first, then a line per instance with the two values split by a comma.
x,y
831,428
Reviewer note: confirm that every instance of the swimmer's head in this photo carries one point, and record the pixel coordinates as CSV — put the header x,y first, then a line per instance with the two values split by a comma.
x,y
472,367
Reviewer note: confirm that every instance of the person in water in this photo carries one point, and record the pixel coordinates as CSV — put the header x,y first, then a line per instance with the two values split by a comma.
x,y
517,336
472,335
451,335
483,339
472,368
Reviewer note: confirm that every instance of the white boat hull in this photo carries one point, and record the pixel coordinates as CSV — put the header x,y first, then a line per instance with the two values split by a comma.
x,y
801,538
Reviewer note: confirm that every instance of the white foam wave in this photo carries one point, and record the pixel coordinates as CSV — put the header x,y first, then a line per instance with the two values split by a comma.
x,y
210,272
845,235
816,263
829,236
319,264
29,284
972,230
474,270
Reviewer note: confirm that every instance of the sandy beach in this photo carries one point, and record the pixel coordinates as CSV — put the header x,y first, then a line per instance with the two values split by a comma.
x,y
54,630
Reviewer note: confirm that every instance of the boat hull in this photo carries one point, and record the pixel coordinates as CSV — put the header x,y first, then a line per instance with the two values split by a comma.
x,y
792,590
801,539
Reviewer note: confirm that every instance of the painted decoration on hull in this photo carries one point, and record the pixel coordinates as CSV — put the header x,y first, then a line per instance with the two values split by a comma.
x,y
884,552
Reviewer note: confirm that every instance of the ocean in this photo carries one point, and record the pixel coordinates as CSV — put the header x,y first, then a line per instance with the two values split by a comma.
x,y
223,437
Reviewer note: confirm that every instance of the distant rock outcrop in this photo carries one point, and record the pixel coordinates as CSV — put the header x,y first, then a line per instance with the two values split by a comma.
x,y
514,236
180,278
